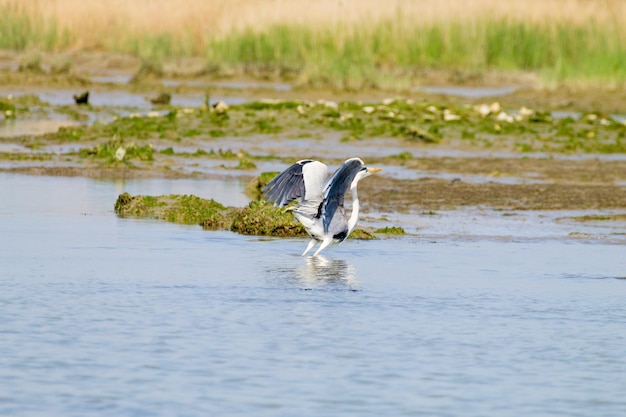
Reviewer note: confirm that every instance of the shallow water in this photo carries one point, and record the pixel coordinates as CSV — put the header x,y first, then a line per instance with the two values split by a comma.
x,y
109,316
14,128
105,105
119,98
469,92
473,224
235,85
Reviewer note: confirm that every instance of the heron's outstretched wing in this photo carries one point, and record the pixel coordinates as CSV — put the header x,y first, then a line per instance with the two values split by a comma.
x,y
336,188
302,180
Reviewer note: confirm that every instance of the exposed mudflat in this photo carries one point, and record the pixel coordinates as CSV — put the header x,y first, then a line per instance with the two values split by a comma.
x,y
444,148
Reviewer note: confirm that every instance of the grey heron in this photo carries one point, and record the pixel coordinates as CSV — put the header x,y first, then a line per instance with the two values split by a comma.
x,y
320,199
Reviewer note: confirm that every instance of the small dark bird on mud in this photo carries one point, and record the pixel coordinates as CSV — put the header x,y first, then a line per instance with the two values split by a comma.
x,y
82,98
163,98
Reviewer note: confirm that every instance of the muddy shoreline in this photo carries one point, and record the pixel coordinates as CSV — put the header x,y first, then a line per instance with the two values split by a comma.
x,y
473,161
429,193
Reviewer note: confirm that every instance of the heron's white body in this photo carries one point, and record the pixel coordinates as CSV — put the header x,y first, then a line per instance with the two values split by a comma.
x,y
316,229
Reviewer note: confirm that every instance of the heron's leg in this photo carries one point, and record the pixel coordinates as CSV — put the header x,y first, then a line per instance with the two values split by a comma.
x,y
324,244
309,246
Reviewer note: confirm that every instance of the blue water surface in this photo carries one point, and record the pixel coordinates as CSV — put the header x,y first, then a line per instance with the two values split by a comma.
x,y
103,316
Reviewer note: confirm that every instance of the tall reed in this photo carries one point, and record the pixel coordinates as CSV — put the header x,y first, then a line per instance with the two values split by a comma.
x,y
558,51
348,43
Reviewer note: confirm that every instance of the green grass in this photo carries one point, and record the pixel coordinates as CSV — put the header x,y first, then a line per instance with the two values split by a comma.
x,y
388,53
20,31
359,57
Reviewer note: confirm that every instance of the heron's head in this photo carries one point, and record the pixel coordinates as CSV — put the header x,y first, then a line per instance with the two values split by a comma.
x,y
366,172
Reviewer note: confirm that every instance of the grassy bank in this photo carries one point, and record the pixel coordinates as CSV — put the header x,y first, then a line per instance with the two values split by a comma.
x,y
559,40
390,50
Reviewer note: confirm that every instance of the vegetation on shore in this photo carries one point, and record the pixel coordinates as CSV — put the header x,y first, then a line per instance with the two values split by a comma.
x,y
565,41
386,56
178,142
486,126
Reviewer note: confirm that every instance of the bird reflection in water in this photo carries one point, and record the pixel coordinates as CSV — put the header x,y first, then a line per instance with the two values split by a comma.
x,y
319,271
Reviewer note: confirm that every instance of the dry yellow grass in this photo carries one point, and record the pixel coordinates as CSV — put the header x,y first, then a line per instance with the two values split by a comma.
x,y
358,42
89,22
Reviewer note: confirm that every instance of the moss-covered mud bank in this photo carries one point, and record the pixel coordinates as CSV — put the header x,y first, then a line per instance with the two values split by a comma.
x,y
259,218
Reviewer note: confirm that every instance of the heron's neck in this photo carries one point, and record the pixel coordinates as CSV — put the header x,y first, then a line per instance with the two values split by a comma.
x,y
354,216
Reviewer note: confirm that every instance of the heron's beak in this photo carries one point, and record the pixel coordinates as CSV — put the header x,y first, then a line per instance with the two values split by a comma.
x,y
373,170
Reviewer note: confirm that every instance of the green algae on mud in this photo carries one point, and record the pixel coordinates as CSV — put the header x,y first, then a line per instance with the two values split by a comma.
x,y
258,218
261,218
119,151
433,121
8,156
171,142
183,209
254,190
597,218
391,230
481,126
